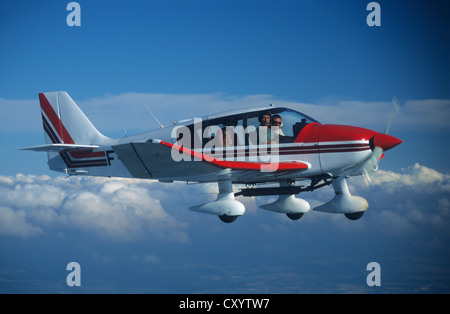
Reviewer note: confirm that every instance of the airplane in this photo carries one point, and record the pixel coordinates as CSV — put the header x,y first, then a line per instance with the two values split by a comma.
x,y
245,147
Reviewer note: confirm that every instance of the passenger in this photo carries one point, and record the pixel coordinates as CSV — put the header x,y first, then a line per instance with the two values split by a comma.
x,y
264,119
264,130
228,131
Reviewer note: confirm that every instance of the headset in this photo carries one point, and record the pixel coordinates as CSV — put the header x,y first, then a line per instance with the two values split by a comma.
x,y
276,116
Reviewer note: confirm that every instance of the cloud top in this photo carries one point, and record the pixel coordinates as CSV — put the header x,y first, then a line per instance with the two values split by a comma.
x,y
401,204
108,208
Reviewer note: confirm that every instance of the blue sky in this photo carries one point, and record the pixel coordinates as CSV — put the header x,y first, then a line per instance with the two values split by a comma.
x,y
186,59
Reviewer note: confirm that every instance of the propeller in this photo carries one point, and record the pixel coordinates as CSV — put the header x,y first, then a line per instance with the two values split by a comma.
x,y
386,141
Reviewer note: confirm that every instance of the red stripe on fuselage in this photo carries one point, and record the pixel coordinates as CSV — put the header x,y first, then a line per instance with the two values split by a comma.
x,y
240,152
241,165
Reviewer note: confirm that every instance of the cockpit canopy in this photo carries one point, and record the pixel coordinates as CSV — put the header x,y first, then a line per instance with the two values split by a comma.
x,y
247,122
292,121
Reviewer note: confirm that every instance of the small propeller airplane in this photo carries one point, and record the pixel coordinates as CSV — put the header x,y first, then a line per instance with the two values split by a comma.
x,y
270,150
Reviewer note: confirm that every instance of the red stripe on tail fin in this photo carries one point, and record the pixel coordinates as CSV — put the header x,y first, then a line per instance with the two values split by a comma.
x,y
55,120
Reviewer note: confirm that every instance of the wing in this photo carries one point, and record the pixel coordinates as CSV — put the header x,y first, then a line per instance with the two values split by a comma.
x,y
150,160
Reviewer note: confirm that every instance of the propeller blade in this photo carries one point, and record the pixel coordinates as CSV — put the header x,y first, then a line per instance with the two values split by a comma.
x,y
392,114
366,176
371,165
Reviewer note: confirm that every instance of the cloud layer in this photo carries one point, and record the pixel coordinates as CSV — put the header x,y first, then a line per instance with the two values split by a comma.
x,y
114,113
114,209
416,201
401,204
428,114
144,228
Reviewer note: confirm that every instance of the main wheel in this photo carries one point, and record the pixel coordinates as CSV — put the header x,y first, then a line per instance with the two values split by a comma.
x,y
228,219
295,216
354,216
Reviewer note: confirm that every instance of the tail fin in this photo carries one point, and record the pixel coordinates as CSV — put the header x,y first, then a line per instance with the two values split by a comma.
x,y
65,123
73,144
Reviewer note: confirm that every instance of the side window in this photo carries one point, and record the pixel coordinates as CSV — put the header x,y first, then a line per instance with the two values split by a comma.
x,y
189,136
233,134
196,133
230,130
251,131
293,124
210,132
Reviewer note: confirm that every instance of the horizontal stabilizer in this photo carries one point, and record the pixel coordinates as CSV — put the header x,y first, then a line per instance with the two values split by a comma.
x,y
58,147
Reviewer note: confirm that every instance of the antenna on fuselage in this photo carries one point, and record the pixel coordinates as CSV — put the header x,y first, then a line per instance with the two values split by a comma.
x,y
157,121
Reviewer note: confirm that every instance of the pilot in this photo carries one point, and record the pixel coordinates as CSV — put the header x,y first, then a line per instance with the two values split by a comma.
x,y
277,124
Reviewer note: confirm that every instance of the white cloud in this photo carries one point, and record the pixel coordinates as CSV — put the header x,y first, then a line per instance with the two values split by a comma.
x,y
115,209
400,204
408,202
394,223
412,202
13,223
418,177
129,110
114,113
429,114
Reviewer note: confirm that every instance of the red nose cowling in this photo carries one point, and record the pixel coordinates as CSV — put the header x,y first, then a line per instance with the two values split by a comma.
x,y
385,142
314,132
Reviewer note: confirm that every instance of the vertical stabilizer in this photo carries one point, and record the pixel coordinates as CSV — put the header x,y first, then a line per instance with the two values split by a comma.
x,y
71,139
65,123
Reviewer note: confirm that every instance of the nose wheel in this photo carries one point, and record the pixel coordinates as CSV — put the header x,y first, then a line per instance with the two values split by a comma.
x,y
354,216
